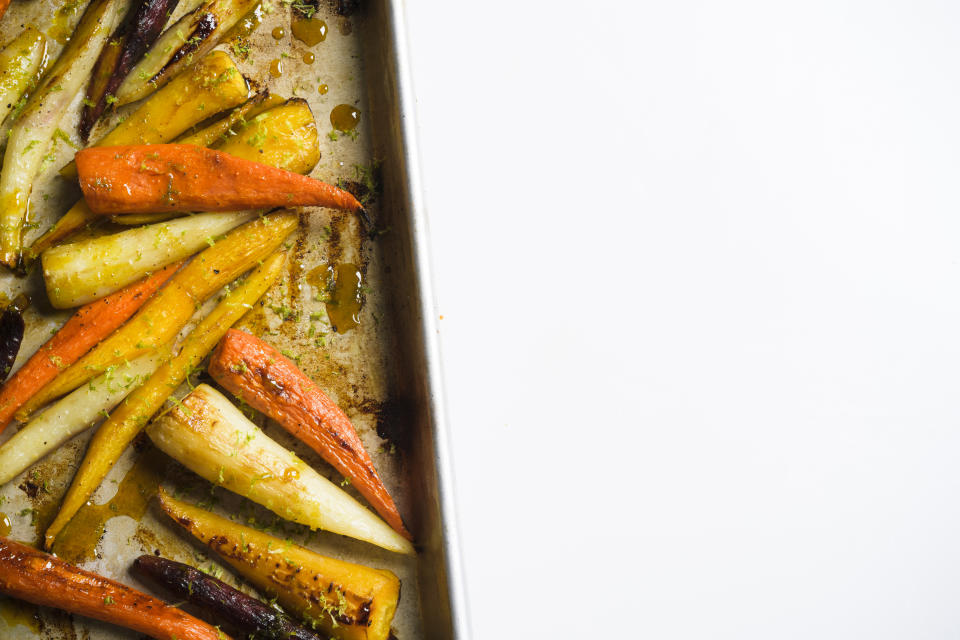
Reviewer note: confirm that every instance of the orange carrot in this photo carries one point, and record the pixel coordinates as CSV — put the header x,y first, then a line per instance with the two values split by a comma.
x,y
90,324
182,177
273,385
47,580
4,5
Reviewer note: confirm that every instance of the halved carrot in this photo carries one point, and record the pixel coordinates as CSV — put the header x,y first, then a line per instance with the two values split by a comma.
x,y
272,384
47,580
182,177
88,326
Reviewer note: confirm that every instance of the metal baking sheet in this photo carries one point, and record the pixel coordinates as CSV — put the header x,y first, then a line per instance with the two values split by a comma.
x,y
384,373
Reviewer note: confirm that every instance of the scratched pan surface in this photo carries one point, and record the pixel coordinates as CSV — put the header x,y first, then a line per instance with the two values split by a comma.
x,y
383,372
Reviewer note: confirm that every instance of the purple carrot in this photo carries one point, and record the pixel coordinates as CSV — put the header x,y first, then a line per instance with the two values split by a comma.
x,y
236,609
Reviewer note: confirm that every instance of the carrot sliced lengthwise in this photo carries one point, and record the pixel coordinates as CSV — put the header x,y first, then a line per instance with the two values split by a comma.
x,y
88,326
345,600
272,384
133,414
164,315
46,580
182,177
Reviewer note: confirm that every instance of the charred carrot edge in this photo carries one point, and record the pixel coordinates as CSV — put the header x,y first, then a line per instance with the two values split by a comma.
x,y
272,384
11,333
182,177
88,326
133,37
46,580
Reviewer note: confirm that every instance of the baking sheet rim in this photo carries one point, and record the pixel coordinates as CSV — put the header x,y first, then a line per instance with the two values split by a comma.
x,y
456,585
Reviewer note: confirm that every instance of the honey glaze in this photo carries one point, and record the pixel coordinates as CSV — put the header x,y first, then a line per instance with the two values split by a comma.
x,y
278,33
17,612
342,286
310,31
309,58
276,67
247,24
4,525
344,117
322,89
78,540
15,200
272,100
60,30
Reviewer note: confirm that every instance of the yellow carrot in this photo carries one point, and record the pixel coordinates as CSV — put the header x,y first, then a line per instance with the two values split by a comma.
x,y
129,419
348,601
159,321
90,324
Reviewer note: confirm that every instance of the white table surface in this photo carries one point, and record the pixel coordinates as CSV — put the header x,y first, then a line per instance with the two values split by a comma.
x,y
698,270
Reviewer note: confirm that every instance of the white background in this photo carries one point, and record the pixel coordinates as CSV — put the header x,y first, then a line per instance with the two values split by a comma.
x,y
698,267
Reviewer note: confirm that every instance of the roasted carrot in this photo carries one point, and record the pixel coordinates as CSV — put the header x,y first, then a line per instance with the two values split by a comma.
x,y
46,580
90,324
4,5
180,177
219,600
129,42
345,600
207,434
162,318
286,136
272,384
133,414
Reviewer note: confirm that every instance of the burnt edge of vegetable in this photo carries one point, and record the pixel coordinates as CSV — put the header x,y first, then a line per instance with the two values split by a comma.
x,y
11,333
138,31
205,26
